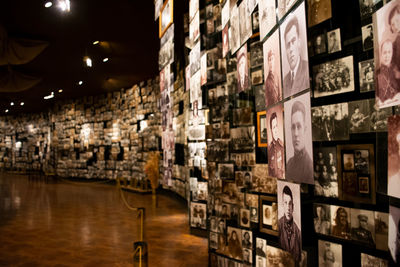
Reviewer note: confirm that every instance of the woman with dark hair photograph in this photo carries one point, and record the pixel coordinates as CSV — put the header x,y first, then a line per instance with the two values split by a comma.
x,y
342,226
234,246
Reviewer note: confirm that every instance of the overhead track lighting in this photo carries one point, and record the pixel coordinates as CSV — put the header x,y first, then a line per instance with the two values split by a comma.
x,y
48,4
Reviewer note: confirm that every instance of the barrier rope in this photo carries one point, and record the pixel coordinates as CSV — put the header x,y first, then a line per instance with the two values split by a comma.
x,y
97,182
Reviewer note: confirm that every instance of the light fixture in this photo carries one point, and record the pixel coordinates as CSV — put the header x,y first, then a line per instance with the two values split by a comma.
x,y
22,103
96,42
105,59
48,4
60,90
88,61
80,82
64,5
49,96
6,110
12,103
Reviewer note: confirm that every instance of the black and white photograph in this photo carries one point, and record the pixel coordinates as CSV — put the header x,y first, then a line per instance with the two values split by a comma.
x,y
279,257
298,140
366,8
213,224
294,54
372,261
247,256
242,116
325,172
231,82
284,6
318,11
217,17
264,182
379,117
202,191
276,144
259,95
198,215
255,21
218,151
262,129
330,122
322,219
213,240
256,77
194,57
225,14
203,69
254,214
341,226
394,156
261,248
348,161
394,233
242,69
272,70
359,116
269,215
363,227
366,70
289,218
245,22
334,77
256,54
381,230
194,28
225,171
245,218
220,111
242,139
267,17
234,238
234,35
329,254
367,34
320,44
361,161
334,41
166,54
166,17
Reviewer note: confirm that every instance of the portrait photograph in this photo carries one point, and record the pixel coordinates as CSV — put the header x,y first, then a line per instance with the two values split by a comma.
x,y
254,214
366,8
322,219
276,144
334,41
194,28
379,117
330,122
372,261
213,240
259,96
234,35
366,70
261,248
245,218
294,54
341,226
251,200
298,140
217,17
381,230
386,54
225,171
284,6
242,139
267,17
247,256
256,77
363,227
203,69
198,215
256,54
289,217
265,183
261,261
319,44
394,233
359,116
367,37
394,156
242,116
329,253
279,257
225,41
269,215
272,70
348,162
242,69
255,21
261,129
166,17
334,77
194,57
325,172
234,238
318,11
225,14
245,22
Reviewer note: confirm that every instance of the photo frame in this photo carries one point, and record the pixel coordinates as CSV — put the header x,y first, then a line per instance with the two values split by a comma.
x,y
269,222
356,173
262,129
166,17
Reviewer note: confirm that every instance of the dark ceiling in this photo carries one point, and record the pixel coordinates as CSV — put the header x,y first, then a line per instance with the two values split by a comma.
x,y
127,33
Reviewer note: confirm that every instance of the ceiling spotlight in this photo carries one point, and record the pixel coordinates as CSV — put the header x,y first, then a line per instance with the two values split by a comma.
x,y
88,61
96,42
60,91
22,103
64,5
12,103
48,4
6,110
80,82
49,96
105,59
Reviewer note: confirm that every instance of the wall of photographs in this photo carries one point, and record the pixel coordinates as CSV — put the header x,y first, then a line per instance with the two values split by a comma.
x,y
299,130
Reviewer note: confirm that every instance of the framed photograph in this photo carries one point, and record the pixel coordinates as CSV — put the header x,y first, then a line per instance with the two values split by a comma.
x,y
261,248
329,254
322,219
276,144
242,139
269,215
255,21
340,222
242,116
218,151
394,220
366,8
213,240
225,41
245,218
243,69
275,254
369,260
394,156
166,16
294,63
247,239
262,182
320,44
194,28
379,117
267,17
226,171
334,41
262,129
363,227
234,35
193,7
318,11
225,14
330,122
359,116
256,77
256,54
367,37
284,7
381,230
334,77
259,95
366,70
325,172
203,69
356,169
245,22
198,215
234,238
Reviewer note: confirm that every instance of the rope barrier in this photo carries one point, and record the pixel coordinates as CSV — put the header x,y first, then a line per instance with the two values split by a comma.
x,y
71,182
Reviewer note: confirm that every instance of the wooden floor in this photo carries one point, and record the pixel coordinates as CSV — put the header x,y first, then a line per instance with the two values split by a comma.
x,y
80,224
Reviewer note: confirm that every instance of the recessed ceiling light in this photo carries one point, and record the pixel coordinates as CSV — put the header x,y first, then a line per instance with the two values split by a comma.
x,y
12,103
64,5
60,91
105,59
80,82
6,110
88,61
96,42
48,4
22,103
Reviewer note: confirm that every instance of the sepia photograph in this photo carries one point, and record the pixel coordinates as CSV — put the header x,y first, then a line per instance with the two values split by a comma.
x,y
259,96
394,156
363,227
194,57
366,8
329,254
243,159
234,237
379,117
322,219
242,116
276,145
244,22
325,172
245,218
394,233
330,122
225,14
267,17
213,240
386,55
166,16
284,6
261,129
318,11
261,248
242,139
218,151
367,37
294,55
203,69
234,35
320,44
198,215
381,230
194,28
272,70
256,77
254,214
255,21
298,140
289,218
341,226
334,77
269,215
247,239
334,41
366,70
225,171
372,261
193,7
279,257
256,54
242,69
262,182
225,41
359,115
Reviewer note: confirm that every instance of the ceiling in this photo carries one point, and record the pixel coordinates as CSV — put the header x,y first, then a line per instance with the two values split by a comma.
x,y
127,33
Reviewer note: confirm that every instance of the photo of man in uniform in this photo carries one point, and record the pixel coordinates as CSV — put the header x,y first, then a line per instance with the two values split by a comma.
x,y
362,222
276,153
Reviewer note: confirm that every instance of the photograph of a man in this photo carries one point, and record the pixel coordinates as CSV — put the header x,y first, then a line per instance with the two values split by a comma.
x,y
294,53
334,43
289,223
272,70
276,152
394,233
394,156
298,145
318,11
329,254
242,69
363,227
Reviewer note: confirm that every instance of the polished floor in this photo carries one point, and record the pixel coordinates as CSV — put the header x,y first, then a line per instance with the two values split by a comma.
x,y
81,224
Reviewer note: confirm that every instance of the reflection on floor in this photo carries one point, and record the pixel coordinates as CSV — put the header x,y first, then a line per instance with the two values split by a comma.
x,y
81,224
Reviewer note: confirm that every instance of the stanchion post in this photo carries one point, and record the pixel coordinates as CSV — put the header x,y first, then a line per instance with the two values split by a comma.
x,y
141,224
